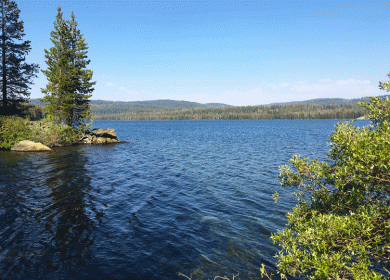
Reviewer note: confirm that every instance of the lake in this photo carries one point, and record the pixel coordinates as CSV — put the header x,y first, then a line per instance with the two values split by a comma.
x,y
190,197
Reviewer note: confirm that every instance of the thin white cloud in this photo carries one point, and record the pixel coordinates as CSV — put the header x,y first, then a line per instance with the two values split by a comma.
x,y
238,98
281,92
122,88
327,88
110,84
243,98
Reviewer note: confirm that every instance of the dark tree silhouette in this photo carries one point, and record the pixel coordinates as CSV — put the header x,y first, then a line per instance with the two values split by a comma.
x,y
15,73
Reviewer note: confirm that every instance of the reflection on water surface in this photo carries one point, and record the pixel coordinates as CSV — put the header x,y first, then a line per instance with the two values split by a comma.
x,y
181,196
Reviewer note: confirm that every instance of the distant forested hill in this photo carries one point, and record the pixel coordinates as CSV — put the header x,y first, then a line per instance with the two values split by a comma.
x,y
104,107
262,112
328,101
323,108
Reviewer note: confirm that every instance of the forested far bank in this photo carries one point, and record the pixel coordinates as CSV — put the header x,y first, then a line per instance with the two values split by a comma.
x,y
259,112
184,110
263,112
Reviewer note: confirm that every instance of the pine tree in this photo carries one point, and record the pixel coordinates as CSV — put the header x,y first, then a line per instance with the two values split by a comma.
x,y
82,80
68,91
15,73
57,73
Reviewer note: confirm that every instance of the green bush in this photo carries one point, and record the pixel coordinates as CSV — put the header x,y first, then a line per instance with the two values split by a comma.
x,y
340,228
68,135
14,129
51,133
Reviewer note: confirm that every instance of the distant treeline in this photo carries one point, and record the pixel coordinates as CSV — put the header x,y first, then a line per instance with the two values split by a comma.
x,y
263,112
183,110
34,111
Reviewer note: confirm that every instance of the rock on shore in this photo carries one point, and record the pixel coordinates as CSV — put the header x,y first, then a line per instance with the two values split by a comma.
x,y
97,136
100,136
29,146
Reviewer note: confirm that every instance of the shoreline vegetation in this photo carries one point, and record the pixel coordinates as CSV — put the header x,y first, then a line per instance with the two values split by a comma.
x,y
182,110
16,128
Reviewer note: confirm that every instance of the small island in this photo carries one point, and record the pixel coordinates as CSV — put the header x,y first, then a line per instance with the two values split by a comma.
x,y
66,118
19,133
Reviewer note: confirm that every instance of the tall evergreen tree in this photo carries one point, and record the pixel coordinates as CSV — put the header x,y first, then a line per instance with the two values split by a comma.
x,y
68,91
59,71
82,80
15,73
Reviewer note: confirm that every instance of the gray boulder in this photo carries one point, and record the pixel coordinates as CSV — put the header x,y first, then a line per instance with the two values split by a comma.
x,y
111,140
100,140
104,132
86,139
29,146
100,136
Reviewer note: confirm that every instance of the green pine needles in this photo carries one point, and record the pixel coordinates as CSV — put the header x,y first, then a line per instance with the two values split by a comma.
x,y
68,93
340,228
15,73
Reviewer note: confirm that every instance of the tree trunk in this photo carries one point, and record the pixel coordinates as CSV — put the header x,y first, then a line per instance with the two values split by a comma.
x,y
4,81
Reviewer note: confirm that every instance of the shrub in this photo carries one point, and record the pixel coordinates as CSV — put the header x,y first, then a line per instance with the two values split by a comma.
x,y
14,129
340,228
51,133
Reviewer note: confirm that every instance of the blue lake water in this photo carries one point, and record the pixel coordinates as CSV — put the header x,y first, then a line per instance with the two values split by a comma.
x,y
190,197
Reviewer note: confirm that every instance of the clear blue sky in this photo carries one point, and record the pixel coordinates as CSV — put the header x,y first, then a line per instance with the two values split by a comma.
x,y
233,52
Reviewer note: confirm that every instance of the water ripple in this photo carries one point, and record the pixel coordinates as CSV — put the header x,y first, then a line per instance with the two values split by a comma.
x,y
191,197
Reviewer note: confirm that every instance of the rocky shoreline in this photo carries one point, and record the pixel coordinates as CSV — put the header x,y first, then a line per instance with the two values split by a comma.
x,y
100,136
96,136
